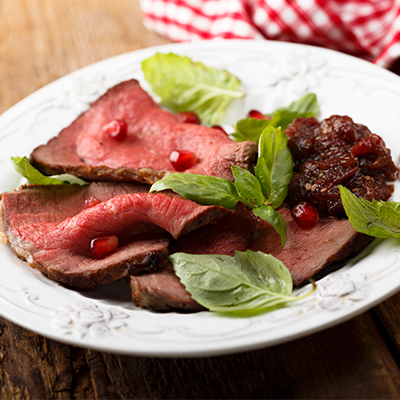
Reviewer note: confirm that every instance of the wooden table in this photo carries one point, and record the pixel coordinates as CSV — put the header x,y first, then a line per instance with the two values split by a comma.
x,y
42,40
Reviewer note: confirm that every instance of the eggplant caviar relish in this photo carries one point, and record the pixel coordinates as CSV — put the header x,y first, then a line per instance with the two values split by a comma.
x,y
337,151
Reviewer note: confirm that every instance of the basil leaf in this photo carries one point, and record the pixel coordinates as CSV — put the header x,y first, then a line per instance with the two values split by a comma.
x,y
184,85
248,185
274,165
28,171
267,213
251,129
308,104
377,218
247,281
284,118
202,189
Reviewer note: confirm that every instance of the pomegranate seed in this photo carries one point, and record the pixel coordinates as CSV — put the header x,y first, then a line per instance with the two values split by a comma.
x,y
188,117
305,215
103,246
116,129
91,202
182,160
219,128
257,115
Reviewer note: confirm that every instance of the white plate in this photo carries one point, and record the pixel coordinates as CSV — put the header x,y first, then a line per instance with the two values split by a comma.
x,y
273,74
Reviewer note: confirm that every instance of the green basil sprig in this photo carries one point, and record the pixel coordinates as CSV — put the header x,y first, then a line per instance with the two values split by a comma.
x,y
184,85
274,165
251,128
262,192
247,282
202,189
28,171
374,218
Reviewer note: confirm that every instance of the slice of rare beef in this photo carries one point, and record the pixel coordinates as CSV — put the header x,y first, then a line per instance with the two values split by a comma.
x,y
306,251
54,203
85,150
57,240
161,291
37,204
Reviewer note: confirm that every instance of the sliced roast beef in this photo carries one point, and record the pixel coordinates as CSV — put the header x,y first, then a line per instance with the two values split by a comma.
x,y
85,150
54,203
55,232
161,291
122,215
80,271
306,252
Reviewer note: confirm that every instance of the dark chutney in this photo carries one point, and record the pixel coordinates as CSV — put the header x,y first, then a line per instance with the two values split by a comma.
x,y
337,151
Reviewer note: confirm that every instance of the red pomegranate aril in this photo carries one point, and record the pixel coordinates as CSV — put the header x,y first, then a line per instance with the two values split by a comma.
x,y
188,117
257,115
305,215
116,129
219,128
91,202
182,160
102,247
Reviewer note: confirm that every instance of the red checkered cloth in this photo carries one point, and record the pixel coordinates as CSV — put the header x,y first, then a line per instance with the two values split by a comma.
x,y
365,28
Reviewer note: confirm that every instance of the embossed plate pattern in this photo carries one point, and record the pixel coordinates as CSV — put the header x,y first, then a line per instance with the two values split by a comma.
x,y
273,74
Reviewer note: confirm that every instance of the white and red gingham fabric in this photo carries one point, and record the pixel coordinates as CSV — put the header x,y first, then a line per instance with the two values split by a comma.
x,y
365,28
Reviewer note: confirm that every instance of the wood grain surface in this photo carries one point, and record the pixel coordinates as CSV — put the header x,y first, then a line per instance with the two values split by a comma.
x,y
42,40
